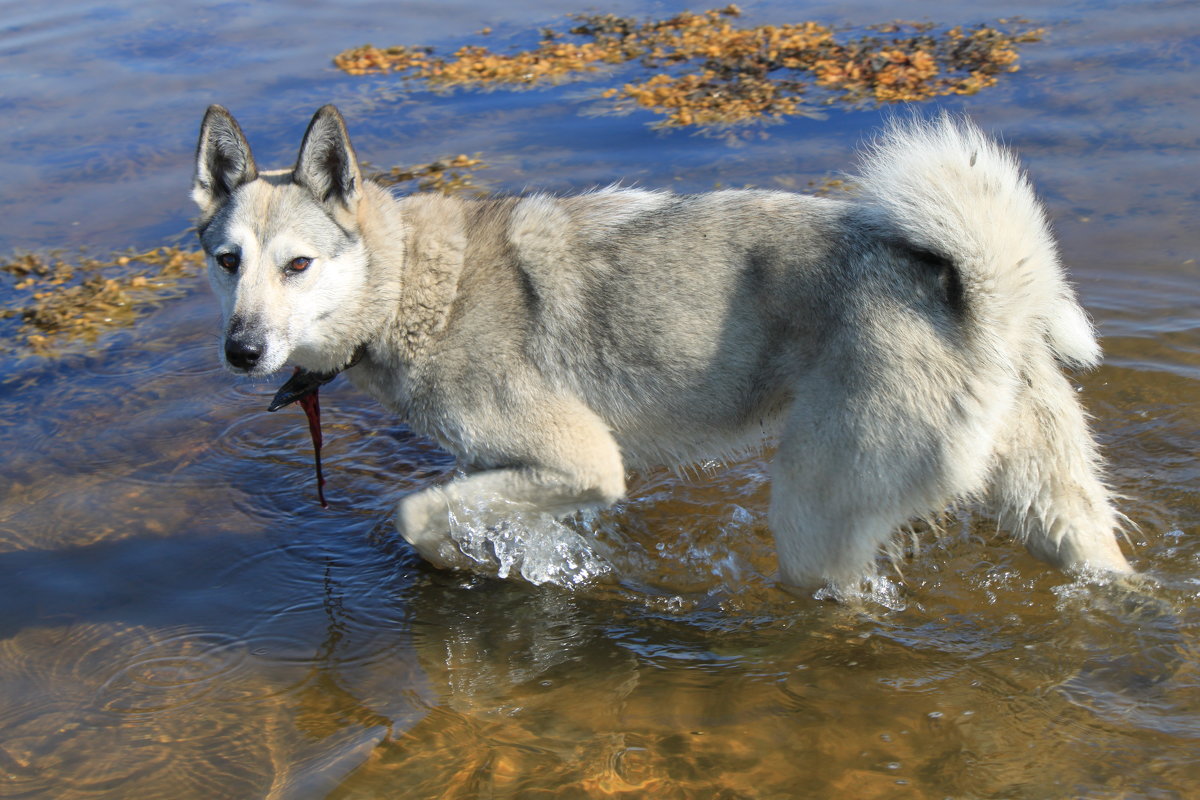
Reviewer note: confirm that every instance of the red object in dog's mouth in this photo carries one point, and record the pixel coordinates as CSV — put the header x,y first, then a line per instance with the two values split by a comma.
x,y
303,386
312,409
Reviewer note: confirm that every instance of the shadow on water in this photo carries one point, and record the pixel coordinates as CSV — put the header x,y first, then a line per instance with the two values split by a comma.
x,y
178,684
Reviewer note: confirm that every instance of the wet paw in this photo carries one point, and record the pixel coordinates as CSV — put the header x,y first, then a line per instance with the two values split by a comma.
x,y
423,520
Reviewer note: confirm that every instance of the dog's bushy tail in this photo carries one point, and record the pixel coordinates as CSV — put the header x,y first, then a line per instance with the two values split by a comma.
x,y
954,191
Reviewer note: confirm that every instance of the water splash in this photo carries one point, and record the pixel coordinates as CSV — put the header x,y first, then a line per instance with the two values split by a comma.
x,y
536,547
877,589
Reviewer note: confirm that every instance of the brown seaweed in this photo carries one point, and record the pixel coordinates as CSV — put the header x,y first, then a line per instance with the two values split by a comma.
x,y
706,71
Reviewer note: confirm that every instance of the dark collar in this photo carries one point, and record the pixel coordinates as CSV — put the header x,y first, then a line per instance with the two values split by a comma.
x,y
303,383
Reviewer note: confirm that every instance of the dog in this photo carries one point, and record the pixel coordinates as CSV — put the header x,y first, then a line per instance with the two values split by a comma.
x,y
904,349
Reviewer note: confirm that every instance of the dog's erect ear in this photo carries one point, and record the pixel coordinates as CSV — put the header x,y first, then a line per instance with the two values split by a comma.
x,y
223,160
326,165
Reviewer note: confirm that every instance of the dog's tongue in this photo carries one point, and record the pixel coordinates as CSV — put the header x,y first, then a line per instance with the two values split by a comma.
x,y
303,386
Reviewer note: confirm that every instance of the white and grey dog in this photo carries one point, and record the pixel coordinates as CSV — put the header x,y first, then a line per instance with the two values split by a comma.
x,y
903,350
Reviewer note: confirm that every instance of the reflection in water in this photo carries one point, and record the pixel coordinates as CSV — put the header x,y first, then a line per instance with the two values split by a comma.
x,y
547,689
180,618
279,703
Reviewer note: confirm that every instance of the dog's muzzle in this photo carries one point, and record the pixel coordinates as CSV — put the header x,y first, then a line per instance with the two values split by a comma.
x,y
243,346
242,354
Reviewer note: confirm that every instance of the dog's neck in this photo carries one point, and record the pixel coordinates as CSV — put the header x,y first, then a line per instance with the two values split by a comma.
x,y
426,268
385,239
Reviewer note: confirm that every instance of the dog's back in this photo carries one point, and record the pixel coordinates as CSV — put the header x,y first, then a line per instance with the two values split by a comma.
x,y
683,320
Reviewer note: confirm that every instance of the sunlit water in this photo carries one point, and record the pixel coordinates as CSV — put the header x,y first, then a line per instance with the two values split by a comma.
x,y
179,618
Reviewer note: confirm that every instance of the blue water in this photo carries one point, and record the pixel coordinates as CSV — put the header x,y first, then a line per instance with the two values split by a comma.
x,y
179,617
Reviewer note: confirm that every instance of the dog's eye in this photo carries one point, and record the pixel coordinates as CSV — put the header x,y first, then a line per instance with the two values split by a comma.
x,y
229,261
298,264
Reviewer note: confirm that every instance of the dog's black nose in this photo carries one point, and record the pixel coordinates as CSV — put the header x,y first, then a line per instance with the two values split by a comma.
x,y
242,354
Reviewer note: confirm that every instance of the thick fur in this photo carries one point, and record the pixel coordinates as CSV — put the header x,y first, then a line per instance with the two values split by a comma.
x,y
904,350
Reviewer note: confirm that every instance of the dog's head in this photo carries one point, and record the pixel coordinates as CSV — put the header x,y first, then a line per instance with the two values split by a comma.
x,y
284,253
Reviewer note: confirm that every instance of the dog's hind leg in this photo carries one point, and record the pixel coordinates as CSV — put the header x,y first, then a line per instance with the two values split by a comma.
x,y
838,493
1045,485
568,461
819,542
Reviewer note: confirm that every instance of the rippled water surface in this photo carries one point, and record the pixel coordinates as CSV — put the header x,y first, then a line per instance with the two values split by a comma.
x,y
179,618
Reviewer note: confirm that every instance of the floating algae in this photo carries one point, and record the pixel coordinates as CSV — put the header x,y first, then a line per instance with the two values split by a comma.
x,y
446,175
708,72
57,298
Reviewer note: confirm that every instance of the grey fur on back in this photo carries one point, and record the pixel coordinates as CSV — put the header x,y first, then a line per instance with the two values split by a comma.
x,y
902,350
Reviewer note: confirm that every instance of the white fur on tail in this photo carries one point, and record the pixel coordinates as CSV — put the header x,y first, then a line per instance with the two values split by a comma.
x,y
957,192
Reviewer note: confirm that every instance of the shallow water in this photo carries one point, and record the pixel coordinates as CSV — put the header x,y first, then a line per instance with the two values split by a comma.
x,y
180,618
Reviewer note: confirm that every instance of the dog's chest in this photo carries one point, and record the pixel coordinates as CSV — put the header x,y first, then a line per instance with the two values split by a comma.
x,y
390,384
410,394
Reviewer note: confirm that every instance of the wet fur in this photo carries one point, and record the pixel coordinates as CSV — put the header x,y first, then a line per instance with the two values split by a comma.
x,y
904,350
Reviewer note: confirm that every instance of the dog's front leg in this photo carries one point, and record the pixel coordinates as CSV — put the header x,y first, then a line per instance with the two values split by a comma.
x,y
488,499
575,465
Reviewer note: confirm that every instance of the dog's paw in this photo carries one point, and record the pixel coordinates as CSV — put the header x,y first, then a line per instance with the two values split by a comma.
x,y
423,520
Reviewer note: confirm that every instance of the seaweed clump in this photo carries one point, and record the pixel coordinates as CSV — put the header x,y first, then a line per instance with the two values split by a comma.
x,y
707,71
56,297
445,175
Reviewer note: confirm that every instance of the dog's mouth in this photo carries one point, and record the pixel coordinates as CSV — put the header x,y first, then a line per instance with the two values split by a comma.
x,y
301,385
303,388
